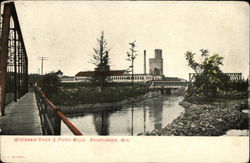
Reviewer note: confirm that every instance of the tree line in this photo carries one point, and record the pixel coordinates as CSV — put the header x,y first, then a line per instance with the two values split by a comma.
x,y
209,80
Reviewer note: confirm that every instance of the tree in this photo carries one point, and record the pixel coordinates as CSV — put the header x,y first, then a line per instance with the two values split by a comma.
x,y
209,79
35,79
101,61
50,84
131,57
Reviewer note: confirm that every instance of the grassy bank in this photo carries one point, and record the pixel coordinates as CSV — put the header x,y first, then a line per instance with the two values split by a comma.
x,y
92,95
222,98
207,120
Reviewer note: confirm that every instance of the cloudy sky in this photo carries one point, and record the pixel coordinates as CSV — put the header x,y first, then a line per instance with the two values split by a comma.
x,y
66,33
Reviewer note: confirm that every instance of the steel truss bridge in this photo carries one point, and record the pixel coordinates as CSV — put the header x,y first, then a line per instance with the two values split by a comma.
x,y
22,116
13,57
168,87
232,76
168,84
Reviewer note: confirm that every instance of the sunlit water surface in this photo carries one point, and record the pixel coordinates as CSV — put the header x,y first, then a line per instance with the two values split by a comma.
x,y
128,120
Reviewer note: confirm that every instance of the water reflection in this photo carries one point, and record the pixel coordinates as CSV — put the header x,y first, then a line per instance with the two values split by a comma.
x,y
101,123
129,120
155,112
144,119
132,119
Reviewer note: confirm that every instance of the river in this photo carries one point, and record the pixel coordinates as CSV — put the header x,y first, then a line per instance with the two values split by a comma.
x,y
130,119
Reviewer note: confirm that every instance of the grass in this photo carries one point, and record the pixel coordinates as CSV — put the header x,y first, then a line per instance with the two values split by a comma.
x,y
92,95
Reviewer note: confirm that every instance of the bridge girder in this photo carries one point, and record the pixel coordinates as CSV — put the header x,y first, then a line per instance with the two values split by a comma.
x,y
232,76
13,57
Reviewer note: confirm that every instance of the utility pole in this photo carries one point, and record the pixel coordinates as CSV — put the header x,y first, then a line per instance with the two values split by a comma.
x,y
144,62
42,59
131,57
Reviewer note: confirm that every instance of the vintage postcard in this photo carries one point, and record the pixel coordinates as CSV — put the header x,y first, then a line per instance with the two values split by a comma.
x,y
124,81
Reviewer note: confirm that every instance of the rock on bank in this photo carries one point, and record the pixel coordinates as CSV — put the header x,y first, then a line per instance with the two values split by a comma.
x,y
206,120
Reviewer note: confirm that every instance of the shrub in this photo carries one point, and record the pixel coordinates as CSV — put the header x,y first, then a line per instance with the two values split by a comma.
x,y
50,84
91,95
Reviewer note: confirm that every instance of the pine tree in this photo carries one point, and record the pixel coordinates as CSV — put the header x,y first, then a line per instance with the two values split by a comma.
x,y
102,62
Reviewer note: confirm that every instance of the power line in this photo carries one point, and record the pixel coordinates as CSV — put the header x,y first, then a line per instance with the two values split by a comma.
x,y
42,59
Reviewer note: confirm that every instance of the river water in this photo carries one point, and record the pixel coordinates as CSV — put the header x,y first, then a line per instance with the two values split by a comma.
x,y
128,120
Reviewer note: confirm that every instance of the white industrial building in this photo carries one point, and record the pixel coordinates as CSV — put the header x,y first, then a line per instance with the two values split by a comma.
x,y
122,76
116,76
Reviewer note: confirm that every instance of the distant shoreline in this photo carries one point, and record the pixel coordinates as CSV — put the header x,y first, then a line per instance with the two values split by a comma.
x,y
83,108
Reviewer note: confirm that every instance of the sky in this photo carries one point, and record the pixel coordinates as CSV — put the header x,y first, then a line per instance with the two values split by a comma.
x,y
66,33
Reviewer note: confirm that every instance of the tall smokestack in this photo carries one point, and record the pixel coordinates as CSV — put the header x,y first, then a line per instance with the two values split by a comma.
x,y
145,62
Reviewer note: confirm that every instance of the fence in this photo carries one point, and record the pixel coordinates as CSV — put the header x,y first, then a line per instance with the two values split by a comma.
x,y
51,116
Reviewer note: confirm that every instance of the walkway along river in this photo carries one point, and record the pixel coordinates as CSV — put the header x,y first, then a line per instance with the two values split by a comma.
x,y
130,119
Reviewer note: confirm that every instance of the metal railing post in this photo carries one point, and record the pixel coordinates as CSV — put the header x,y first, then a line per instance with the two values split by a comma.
x,y
57,124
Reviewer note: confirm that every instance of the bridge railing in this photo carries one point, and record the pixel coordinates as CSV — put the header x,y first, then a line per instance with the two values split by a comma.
x,y
51,116
164,84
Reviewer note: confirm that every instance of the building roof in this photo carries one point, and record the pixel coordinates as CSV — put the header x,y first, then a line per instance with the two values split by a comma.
x,y
85,73
91,73
172,79
67,77
59,72
117,72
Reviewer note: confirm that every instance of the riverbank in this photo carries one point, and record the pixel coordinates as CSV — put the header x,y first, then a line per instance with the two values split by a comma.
x,y
93,95
207,119
83,108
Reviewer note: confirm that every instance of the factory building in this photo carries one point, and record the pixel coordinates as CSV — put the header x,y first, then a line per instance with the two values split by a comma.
x,y
122,76
156,64
116,76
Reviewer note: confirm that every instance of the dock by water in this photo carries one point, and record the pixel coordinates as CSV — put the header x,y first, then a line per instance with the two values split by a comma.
x,y
21,117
